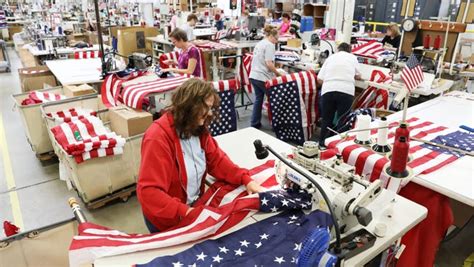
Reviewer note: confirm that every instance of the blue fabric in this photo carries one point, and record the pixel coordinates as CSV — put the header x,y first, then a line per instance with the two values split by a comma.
x,y
458,139
195,165
276,241
228,118
260,90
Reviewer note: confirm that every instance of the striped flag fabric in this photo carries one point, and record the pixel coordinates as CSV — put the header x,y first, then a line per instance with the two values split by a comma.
x,y
370,164
412,74
220,208
38,97
87,138
112,86
244,72
374,97
371,49
207,46
293,105
134,95
72,114
174,55
87,54
227,115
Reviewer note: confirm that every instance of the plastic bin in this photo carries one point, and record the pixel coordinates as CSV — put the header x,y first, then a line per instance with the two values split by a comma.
x,y
32,120
95,178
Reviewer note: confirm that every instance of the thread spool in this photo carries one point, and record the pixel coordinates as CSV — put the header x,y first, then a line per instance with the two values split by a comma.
x,y
437,42
398,163
426,41
382,145
402,130
363,122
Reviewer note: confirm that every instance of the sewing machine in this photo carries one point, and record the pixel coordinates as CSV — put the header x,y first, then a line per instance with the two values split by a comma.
x,y
337,179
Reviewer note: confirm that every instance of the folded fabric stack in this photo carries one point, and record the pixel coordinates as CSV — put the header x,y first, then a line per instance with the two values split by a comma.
x,y
87,138
72,114
287,56
37,97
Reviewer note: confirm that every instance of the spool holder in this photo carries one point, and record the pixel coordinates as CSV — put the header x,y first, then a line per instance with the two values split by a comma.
x,y
381,149
408,172
364,143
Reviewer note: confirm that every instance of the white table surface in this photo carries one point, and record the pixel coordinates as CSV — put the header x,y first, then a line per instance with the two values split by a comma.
x,y
406,213
76,71
62,50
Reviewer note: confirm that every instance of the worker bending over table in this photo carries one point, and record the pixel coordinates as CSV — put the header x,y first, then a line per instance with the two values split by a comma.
x,y
178,152
337,76
189,60
263,69
392,37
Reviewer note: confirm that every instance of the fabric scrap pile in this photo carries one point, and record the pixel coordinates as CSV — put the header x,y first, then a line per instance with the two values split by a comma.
x,y
37,97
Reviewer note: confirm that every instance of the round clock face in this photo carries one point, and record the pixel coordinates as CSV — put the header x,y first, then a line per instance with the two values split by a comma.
x,y
408,25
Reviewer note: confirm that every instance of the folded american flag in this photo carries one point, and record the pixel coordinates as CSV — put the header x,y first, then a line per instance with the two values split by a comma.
x,y
38,97
371,49
374,97
276,241
72,114
293,105
87,138
425,159
220,208
228,118
112,86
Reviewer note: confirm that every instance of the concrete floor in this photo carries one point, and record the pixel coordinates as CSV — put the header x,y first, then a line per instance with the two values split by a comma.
x,y
42,197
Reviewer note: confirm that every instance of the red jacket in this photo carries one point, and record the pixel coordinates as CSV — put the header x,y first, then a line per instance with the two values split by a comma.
x,y
162,181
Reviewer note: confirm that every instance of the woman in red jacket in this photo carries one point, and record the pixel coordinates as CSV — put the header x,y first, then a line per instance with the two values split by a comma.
x,y
177,154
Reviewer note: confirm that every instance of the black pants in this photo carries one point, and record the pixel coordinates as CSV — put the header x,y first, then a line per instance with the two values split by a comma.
x,y
331,103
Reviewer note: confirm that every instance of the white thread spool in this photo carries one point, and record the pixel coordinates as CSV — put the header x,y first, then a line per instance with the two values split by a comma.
x,y
363,122
382,137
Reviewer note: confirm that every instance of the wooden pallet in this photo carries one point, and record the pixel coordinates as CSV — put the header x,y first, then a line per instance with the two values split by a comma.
x,y
47,158
122,194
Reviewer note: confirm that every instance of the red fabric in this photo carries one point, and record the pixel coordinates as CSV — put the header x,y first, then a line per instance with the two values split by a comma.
x,y
162,181
423,240
10,229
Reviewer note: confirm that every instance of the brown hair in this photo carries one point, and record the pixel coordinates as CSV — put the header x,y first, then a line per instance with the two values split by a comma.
x,y
394,28
179,35
192,17
286,15
270,30
188,104
344,47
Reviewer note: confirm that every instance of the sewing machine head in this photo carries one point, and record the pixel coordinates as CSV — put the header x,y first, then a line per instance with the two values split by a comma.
x,y
337,178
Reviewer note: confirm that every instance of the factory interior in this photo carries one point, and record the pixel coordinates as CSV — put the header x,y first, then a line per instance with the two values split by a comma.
x,y
237,133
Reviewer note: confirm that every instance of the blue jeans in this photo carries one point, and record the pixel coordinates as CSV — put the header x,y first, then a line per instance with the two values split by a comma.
x,y
260,91
150,226
333,102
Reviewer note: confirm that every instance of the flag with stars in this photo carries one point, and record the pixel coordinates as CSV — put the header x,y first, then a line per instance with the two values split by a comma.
x,y
412,73
227,115
293,106
458,139
276,241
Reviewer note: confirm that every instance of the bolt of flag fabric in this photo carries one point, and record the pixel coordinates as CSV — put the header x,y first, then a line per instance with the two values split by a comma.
x,y
412,74
293,106
227,114
38,97
111,89
87,138
371,49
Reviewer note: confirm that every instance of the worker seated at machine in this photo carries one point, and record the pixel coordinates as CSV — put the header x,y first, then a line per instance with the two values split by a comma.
x,y
189,60
177,152
284,28
392,38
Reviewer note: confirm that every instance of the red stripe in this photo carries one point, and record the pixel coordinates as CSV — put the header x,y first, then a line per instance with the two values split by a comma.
x,y
442,164
378,168
422,160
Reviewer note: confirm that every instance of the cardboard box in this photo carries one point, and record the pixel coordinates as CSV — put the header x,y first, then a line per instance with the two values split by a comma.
x,y
72,90
128,122
27,59
288,7
296,43
35,78
133,39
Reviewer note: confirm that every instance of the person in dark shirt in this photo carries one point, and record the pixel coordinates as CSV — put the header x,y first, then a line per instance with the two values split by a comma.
x,y
392,37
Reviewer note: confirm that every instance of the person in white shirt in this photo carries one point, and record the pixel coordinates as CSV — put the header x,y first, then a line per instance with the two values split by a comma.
x,y
189,26
337,76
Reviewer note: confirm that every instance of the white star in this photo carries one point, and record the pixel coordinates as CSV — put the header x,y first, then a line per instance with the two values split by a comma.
x,y
223,250
274,195
244,243
298,246
280,260
284,202
264,201
264,236
259,244
177,264
201,256
217,258
239,252
293,217
274,209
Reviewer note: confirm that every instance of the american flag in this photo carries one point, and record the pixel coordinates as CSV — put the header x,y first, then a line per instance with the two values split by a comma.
x,y
87,54
374,97
371,49
276,241
112,86
220,208
244,72
72,114
293,105
228,117
424,159
38,97
412,74
174,55
209,46
87,138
